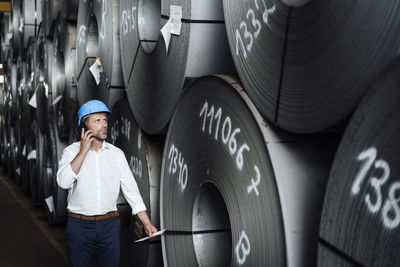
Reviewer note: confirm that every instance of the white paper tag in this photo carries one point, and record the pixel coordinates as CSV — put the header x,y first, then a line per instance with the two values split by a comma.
x,y
10,35
24,151
31,155
166,33
33,101
50,203
95,69
18,171
46,89
95,72
56,100
21,25
175,16
173,25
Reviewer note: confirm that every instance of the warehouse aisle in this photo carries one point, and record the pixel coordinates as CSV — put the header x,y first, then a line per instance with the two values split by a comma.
x,y
26,238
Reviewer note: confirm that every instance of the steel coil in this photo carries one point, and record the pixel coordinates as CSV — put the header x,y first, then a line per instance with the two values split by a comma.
x,y
27,118
31,65
360,223
6,119
13,88
70,10
63,79
50,11
17,28
35,158
55,197
24,87
11,151
234,190
44,50
144,156
206,10
6,138
5,41
155,77
98,36
19,124
299,64
30,20
19,147
3,140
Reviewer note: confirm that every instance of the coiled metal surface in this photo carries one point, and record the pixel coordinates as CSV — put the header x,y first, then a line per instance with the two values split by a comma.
x,y
97,38
207,194
245,162
298,64
360,223
153,99
233,177
63,76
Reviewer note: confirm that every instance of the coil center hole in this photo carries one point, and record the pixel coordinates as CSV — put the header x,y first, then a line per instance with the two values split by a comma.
x,y
213,243
149,14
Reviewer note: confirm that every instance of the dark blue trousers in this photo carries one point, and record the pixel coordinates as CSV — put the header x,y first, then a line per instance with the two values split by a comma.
x,y
85,238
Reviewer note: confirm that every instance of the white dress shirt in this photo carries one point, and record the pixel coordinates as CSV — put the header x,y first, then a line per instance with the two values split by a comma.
x,y
95,189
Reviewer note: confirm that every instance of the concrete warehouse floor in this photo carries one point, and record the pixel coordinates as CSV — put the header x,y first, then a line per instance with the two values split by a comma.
x,y
26,238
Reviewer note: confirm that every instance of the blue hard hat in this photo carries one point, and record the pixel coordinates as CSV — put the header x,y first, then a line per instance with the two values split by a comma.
x,y
90,107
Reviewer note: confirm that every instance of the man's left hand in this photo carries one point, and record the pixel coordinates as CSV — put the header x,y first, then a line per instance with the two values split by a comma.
x,y
150,229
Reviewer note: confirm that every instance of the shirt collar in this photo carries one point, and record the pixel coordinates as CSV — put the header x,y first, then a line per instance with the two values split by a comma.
x,y
105,145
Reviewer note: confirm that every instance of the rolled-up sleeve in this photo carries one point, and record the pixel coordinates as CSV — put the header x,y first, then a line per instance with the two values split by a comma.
x,y
65,175
129,187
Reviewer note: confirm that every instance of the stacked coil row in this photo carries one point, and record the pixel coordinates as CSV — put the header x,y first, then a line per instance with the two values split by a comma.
x,y
260,132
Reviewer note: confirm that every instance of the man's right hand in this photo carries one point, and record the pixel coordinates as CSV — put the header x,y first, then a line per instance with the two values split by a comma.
x,y
86,140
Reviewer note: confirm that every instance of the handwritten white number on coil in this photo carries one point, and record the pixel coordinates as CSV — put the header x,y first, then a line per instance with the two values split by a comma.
x,y
103,19
228,138
82,34
376,184
228,122
392,204
369,154
173,155
391,211
255,183
242,248
248,35
256,23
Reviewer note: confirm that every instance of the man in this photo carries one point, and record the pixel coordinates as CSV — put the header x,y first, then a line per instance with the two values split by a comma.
x,y
93,171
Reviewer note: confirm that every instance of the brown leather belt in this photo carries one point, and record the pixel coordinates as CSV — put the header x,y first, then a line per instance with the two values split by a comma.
x,y
96,217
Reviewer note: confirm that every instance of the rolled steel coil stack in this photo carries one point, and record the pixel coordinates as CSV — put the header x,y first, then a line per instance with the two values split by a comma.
x,y
5,37
299,63
50,11
31,18
238,191
16,28
99,71
154,74
259,132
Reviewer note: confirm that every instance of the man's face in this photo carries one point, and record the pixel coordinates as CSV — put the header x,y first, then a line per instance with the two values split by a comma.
x,y
98,124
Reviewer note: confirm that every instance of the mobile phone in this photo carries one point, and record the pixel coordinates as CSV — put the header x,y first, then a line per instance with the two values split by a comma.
x,y
85,127
79,131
